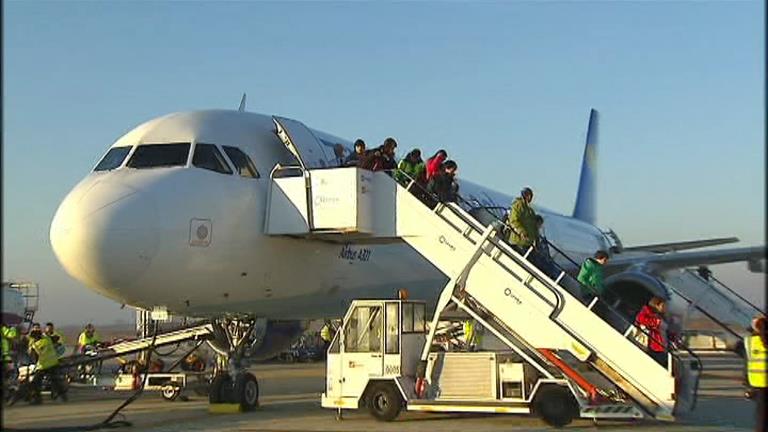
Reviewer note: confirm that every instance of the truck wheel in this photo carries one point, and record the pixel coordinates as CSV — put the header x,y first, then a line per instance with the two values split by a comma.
x,y
247,391
170,393
384,402
555,405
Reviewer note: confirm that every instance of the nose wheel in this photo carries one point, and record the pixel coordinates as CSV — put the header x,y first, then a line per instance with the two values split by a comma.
x,y
233,384
243,390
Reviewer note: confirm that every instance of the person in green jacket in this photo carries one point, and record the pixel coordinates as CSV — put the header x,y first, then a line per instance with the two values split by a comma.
x,y
591,274
411,167
522,221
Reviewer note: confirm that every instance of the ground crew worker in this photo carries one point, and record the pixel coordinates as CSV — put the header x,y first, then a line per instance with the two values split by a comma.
x,y
473,334
591,274
87,338
522,221
56,337
326,335
47,365
10,334
756,351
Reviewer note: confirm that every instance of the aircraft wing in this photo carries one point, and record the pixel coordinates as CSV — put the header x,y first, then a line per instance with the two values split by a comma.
x,y
673,260
677,246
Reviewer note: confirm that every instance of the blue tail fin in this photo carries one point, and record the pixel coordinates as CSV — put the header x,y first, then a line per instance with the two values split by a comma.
x,y
586,198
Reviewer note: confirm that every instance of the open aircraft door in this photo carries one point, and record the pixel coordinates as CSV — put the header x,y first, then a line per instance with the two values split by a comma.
x,y
300,141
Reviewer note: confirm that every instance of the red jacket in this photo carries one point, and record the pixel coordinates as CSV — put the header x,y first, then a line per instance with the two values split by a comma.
x,y
433,165
653,322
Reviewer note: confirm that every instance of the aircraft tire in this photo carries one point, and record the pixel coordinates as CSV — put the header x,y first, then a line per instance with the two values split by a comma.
x,y
384,401
555,405
220,390
247,391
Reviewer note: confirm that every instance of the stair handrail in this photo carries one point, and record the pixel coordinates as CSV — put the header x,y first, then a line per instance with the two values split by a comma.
x,y
459,199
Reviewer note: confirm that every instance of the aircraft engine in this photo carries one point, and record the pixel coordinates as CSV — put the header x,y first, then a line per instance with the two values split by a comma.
x,y
630,290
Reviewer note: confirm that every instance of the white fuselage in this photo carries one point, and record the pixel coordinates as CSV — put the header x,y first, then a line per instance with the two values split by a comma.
x,y
133,234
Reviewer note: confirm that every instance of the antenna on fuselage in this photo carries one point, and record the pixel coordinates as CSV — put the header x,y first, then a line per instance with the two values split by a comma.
x,y
241,108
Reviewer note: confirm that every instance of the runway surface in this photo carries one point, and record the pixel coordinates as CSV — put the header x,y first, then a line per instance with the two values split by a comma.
x,y
290,402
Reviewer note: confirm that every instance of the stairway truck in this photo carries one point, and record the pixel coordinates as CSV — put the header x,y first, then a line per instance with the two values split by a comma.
x,y
374,363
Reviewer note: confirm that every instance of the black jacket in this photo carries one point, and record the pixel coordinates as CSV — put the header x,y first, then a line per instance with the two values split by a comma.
x,y
444,187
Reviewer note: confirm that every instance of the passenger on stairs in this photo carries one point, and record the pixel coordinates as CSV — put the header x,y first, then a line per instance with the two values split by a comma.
x,y
591,275
381,158
355,158
410,168
541,256
443,184
651,319
522,221
435,163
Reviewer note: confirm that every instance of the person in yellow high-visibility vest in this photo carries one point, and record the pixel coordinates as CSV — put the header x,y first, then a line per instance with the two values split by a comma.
x,y
473,334
10,335
757,363
47,364
88,338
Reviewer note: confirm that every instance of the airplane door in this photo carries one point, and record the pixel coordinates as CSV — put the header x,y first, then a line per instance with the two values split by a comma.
x,y
363,355
300,141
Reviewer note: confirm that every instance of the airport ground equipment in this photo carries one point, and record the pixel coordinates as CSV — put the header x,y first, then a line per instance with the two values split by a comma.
x,y
169,383
197,332
536,315
30,294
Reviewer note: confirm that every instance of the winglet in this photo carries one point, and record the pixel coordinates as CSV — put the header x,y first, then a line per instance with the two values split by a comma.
x,y
241,108
586,197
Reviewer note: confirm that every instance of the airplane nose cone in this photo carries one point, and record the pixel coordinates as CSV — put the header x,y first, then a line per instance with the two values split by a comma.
x,y
105,235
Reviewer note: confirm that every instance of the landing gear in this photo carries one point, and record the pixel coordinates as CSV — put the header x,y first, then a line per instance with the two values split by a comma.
x,y
232,383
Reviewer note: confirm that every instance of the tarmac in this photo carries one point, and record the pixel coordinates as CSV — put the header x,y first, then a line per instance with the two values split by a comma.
x,y
290,401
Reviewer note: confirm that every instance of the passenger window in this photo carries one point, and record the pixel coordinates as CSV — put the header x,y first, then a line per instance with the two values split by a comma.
x,y
113,159
419,318
159,155
393,327
207,156
363,330
243,164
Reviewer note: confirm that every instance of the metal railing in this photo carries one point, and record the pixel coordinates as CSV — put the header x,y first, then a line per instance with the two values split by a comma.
x,y
532,254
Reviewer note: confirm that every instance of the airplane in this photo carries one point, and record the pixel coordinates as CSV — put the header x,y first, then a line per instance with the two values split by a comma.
x,y
173,215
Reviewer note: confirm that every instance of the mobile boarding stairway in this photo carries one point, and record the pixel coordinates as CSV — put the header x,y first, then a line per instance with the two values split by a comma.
x,y
534,315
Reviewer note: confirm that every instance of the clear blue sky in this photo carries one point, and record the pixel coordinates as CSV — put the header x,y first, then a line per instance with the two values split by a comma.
x,y
506,87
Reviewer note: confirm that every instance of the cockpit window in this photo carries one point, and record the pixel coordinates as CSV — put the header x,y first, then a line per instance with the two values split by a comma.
x,y
159,155
243,164
207,156
113,159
